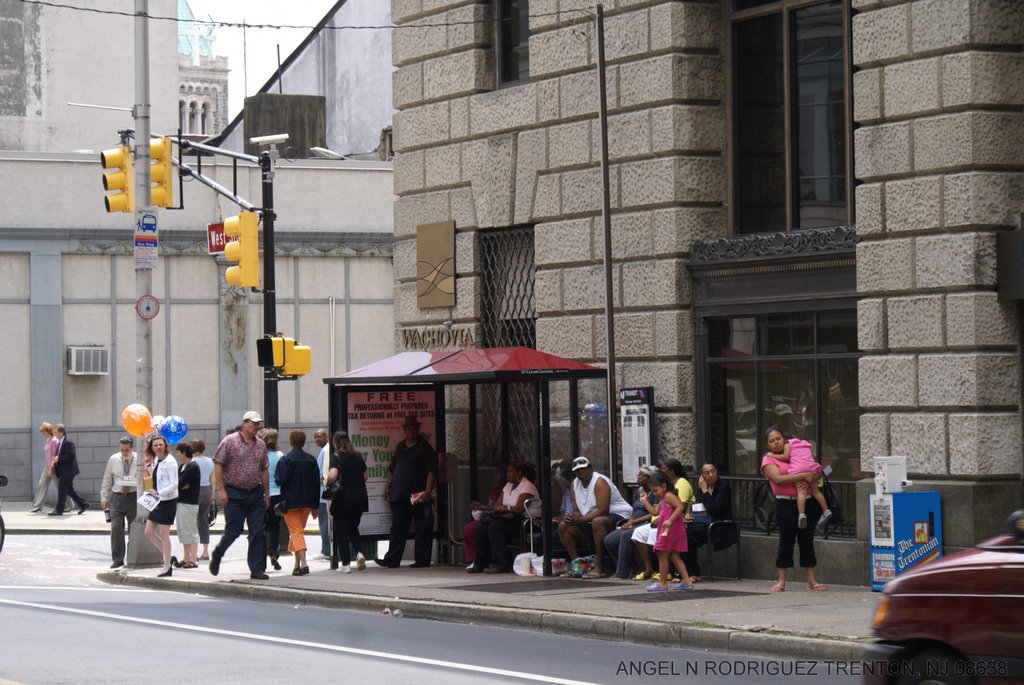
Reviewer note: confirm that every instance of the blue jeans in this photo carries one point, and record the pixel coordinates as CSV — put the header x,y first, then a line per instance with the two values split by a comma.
x,y
325,535
619,545
245,507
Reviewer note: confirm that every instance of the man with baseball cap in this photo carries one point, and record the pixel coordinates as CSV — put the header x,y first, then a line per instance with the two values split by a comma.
x,y
241,484
412,475
597,507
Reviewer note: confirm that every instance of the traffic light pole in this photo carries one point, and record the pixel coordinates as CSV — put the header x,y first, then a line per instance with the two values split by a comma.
x,y
270,377
143,276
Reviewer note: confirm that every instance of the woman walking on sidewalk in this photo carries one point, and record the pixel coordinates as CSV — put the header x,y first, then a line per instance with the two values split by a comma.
x,y
46,430
299,478
348,504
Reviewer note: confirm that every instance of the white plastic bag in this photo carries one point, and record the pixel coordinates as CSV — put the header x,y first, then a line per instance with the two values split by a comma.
x,y
523,564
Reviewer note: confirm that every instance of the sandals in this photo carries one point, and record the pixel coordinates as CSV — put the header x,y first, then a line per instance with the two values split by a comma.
x,y
188,564
594,575
778,587
694,579
644,575
817,587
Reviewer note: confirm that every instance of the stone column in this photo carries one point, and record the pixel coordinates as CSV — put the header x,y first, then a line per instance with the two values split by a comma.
x,y
938,155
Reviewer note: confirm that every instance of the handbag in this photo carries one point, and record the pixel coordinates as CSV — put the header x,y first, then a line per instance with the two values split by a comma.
x,y
212,516
331,490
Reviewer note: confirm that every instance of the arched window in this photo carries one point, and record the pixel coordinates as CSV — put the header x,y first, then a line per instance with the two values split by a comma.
x,y
193,118
206,119
181,116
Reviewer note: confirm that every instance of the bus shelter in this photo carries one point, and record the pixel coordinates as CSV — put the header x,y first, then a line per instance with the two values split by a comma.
x,y
381,393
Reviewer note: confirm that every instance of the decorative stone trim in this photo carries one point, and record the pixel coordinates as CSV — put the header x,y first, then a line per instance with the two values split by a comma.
x,y
805,242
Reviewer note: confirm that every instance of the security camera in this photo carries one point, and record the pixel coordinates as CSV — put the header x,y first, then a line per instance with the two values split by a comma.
x,y
274,139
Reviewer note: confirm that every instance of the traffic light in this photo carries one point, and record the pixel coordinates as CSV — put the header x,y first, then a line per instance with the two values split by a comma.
x,y
244,249
283,355
120,180
161,173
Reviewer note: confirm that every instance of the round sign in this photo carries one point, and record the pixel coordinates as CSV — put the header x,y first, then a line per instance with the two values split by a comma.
x,y
147,307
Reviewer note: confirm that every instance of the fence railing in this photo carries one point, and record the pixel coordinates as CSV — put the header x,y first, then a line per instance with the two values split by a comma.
x,y
753,507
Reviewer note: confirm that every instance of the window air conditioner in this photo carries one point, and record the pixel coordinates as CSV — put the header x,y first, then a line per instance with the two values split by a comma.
x,y
88,361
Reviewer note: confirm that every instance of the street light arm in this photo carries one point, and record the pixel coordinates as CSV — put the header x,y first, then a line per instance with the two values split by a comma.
x,y
186,170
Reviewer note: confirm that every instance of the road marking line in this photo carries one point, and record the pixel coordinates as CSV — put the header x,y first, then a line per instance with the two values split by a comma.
x,y
303,643
73,587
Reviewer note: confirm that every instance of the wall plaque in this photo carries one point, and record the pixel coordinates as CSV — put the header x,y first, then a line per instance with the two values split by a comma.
x,y
435,265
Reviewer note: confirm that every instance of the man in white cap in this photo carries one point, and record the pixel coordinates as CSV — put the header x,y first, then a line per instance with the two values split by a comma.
x,y
597,507
241,484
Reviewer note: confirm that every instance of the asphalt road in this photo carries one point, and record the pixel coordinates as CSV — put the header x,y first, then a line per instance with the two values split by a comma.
x,y
49,596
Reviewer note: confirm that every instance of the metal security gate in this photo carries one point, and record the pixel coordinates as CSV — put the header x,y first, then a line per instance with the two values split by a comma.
x,y
508,319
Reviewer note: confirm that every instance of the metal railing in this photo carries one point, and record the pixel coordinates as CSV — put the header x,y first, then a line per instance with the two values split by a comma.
x,y
753,507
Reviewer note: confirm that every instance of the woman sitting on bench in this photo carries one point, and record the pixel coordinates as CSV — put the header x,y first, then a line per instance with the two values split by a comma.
x,y
502,525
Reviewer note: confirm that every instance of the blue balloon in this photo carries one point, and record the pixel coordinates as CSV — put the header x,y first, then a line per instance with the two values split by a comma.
x,y
173,429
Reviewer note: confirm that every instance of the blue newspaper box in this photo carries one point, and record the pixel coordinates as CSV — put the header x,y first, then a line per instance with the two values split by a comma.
x,y
906,532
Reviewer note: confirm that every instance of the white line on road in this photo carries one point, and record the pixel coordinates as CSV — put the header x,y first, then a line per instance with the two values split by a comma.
x,y
77,588
303,643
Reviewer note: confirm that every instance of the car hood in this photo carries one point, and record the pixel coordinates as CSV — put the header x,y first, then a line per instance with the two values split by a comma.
x,y
954,570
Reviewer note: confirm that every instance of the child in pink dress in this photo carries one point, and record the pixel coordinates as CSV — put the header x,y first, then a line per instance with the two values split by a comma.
x,y
798,454
671,537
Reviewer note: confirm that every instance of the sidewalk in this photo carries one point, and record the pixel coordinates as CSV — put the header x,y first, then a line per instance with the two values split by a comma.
x,y
721,615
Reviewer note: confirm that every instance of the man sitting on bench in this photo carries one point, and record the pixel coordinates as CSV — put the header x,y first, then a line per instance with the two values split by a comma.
x,y
597,507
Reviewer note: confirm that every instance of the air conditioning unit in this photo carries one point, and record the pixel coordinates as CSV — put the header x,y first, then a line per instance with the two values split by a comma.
x,y
88,361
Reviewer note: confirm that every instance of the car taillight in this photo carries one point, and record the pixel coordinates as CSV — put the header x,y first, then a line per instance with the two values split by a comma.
x,y
880,612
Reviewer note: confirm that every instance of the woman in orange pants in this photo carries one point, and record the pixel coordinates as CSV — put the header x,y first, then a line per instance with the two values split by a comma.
x,y
299,478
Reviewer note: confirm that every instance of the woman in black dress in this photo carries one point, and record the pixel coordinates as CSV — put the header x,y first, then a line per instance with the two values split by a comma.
x,y
350,502
165,486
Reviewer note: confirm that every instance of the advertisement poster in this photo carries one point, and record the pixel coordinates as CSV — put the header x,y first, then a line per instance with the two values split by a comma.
x,y
636,414
881,518
146,239
883,567
375,420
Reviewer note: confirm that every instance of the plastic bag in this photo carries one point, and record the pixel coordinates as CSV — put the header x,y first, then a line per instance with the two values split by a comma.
x,y
581,566
523,564
558,566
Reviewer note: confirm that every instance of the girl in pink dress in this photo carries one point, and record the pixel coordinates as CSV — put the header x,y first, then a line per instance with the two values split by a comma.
x,y
671,538
798,454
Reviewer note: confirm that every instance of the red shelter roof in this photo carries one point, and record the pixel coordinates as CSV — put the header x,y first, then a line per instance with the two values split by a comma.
x,y
486,365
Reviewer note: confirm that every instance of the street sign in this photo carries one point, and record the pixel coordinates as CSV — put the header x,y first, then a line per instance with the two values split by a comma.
x,y
147,239
147,307
215,238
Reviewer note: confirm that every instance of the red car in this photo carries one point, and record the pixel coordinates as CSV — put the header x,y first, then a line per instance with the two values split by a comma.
x,y
959,619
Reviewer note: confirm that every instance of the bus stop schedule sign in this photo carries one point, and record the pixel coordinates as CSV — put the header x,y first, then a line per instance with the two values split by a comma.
x,y
375,421
147,241
636,416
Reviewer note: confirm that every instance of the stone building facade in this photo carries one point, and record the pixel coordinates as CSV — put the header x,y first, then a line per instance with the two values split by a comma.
x,y
202,79
805,198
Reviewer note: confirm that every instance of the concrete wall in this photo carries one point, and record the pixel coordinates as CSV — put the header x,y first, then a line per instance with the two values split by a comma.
x,y
352,69
53,47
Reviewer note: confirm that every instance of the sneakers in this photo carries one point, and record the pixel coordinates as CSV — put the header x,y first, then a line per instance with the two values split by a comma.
x,y
825,518
801,522
655,587
323,557
360,562
344,568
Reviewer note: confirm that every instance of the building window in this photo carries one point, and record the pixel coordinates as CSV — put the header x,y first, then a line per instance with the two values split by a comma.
x,y
792,124
796,371
512,41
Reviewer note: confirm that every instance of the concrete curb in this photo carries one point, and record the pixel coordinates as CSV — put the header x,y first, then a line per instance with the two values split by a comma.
x,y
614,629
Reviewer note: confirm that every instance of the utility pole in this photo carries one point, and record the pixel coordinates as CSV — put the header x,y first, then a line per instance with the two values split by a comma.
x,y
140,553
143,275
606,220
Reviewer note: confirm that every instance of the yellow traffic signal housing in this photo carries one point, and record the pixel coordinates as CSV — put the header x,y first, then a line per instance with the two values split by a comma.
x,y
244,250
296,358
283,355
121,180
161,173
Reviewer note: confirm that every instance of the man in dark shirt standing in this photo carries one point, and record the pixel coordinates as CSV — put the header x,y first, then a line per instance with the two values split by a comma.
x,y
412,475
241,485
